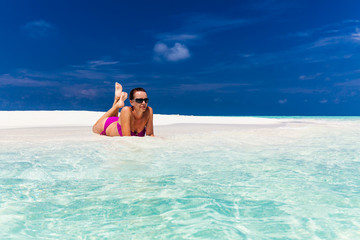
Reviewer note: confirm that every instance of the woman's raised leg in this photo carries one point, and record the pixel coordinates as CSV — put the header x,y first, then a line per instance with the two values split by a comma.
x,y
119,99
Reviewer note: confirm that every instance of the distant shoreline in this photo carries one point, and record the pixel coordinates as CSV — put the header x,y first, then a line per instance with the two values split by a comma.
x,y
38,119
34,119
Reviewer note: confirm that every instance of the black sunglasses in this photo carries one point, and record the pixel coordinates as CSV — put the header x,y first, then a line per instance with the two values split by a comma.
x,y
140,100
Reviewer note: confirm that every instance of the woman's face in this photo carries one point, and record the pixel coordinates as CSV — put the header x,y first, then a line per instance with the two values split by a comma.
x,y
139,96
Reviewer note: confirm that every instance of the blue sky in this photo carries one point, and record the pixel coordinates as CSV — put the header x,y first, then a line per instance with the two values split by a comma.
x,y
193,57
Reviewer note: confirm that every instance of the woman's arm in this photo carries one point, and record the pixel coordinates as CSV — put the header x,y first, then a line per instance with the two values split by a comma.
x,y
124,119
149,125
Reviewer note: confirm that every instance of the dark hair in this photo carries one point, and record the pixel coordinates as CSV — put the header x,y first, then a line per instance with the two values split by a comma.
x,y
132,92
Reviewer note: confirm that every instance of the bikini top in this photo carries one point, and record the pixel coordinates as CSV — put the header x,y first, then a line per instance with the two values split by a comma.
x,y
140,134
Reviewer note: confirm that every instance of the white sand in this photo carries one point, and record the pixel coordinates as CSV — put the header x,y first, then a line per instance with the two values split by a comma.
x,y
36,119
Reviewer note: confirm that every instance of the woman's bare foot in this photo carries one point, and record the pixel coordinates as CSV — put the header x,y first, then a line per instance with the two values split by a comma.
x,y
118,91
122,99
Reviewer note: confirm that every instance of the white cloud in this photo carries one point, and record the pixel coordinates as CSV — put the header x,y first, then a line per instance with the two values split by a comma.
x,y
246,55
85,74
178,37
309,77
81,91
160,48
97,63
96,70
176,53
304,90
355,36
351,83
39,29
324,101
282,101
23,81
196,27
328,41
91,70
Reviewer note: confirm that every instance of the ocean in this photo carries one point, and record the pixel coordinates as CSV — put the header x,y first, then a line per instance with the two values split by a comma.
x,y
296,180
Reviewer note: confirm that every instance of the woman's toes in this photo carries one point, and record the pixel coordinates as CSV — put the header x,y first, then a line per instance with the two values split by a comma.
x,y
118,90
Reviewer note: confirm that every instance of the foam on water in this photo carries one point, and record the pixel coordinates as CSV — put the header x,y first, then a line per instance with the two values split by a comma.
x,y
298,180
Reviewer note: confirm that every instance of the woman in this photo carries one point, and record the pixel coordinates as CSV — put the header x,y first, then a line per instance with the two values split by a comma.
x,y
133,121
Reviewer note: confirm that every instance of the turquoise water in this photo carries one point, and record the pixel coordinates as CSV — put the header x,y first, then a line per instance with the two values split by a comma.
x,y
300,180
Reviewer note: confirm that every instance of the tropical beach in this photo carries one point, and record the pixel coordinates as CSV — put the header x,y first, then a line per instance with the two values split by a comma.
x,y
193,120
200,177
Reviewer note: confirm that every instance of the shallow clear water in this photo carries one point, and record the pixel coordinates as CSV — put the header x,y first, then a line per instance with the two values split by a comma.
x,y
294,181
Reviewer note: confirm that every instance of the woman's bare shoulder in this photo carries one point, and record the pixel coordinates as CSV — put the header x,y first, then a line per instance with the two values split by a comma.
x,y
126,110
149,110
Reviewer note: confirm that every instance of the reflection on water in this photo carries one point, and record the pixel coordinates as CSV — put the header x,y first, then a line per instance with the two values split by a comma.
x,y
295,180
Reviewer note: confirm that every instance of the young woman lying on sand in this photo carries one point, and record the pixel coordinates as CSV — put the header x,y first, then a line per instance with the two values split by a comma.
x,y
133,121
